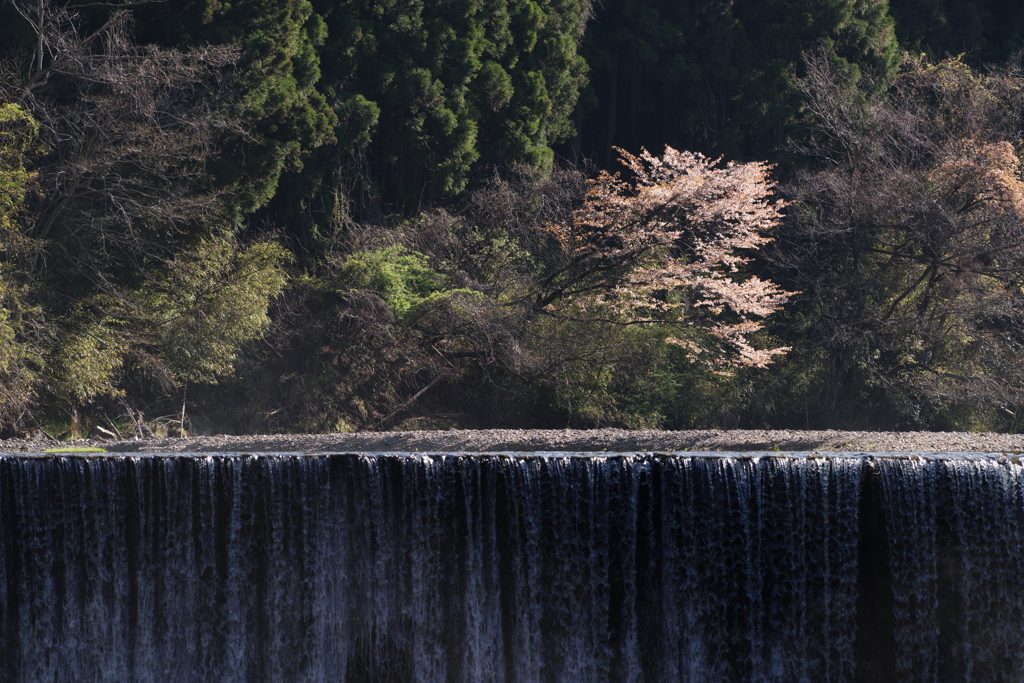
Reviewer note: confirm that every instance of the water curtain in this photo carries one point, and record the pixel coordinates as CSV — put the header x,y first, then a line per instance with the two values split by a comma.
x,y
511,568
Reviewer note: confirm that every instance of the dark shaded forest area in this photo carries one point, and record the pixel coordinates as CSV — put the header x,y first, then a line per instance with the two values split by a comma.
x,y
328,215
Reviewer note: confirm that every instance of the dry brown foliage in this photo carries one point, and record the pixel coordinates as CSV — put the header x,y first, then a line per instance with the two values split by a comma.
x,y
908,238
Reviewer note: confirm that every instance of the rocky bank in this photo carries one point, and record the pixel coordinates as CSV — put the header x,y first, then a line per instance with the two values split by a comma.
x,y
594,440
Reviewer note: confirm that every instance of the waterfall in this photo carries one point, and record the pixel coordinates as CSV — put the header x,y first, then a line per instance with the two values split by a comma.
x,y
510,568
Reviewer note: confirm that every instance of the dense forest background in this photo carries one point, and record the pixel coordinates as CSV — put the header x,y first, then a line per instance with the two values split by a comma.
x,y
312,215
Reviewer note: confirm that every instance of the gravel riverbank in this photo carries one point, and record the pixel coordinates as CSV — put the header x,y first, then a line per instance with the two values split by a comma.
x,y
611,440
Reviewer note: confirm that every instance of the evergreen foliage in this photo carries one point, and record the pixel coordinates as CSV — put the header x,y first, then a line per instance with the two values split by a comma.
x,y
985,32
18,142
437,93
715,76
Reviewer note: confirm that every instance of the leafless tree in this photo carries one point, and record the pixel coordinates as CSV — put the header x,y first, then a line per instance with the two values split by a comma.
x,y
129,132
907,235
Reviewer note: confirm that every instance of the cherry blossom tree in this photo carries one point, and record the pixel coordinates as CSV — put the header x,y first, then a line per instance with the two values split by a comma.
x,y
670,245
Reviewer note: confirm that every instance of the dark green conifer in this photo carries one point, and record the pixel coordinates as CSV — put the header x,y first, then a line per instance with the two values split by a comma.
x,y
286,116
716,76
438,93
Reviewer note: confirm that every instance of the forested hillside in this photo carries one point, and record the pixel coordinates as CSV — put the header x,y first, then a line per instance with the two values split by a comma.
x,y
312,215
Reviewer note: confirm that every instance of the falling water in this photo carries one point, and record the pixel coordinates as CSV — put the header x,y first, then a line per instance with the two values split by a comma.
x,y
525,568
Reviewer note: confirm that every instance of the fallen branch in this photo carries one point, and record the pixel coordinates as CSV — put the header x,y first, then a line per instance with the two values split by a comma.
x,y
406,404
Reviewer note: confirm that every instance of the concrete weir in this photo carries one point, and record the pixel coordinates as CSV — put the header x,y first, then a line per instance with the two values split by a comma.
x,y
524,568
